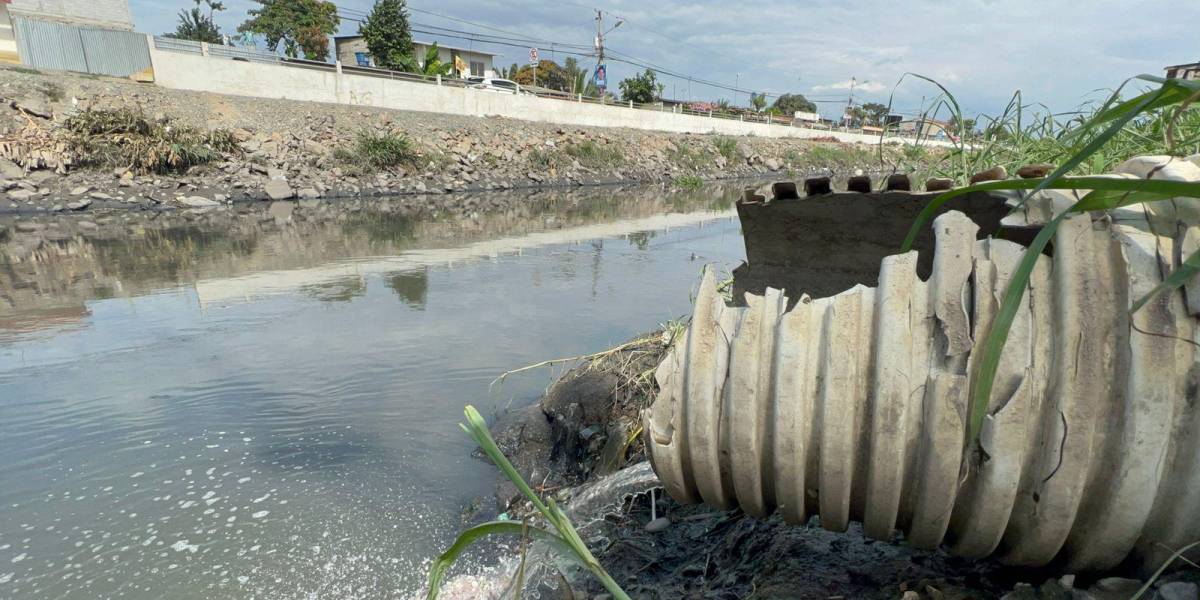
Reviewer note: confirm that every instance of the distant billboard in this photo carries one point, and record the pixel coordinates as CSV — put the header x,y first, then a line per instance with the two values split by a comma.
x,y
806,116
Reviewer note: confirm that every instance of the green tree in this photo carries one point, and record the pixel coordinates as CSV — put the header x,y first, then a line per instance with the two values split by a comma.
x,y
196,26
874,113
299,25
758,101
388,36
549,75
576,75
642,89
790,104
968,125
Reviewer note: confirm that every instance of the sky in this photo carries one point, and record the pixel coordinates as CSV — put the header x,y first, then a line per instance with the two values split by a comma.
x,y
1057,53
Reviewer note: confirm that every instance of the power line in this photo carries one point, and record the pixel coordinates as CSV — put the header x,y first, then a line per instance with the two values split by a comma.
x,y
519,40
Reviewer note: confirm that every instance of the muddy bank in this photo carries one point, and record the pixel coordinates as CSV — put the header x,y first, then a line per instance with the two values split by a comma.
x,y
249,149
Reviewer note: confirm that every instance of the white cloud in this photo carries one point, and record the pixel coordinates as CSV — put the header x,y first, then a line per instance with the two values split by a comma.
x,y
868,87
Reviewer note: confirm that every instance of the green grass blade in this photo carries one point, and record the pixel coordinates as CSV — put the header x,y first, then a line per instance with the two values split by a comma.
x,y
1174,557
1152,188
1178,277
997,334
437,572
476,427
930,209
571,543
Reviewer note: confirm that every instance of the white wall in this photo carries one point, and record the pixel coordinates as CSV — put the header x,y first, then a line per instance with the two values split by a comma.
x,y
193,72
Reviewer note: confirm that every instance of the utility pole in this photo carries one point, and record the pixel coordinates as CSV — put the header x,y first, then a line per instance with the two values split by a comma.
x,y
599,43
849,103
737,81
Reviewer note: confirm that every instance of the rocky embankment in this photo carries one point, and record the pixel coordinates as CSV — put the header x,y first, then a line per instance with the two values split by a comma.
x,y
279,149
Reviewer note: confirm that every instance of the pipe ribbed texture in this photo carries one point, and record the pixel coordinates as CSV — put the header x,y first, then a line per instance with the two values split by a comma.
x,y
854,407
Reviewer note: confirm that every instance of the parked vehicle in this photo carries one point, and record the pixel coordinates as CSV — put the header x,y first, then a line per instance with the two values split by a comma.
x,y
490,84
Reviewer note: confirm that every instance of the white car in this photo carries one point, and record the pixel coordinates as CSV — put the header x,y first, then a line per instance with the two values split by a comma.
x,y
491,84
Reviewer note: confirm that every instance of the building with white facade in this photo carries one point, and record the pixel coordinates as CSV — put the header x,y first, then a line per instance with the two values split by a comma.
x,y
351,50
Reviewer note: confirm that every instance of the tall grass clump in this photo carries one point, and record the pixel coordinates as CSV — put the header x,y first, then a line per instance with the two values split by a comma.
x,y
124,138
372,152
687,182
1114,132
591,154
564,538
727,146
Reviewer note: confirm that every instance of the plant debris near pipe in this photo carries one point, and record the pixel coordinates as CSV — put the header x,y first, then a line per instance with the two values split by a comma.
x,y
566,540
124,138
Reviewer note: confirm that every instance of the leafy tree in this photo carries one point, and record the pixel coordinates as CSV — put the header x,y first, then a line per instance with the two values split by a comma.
x,y
642,89
510,72
790,104
196,26
388,36
576,76
874,113
549,75
967,124
774,111
299,25
758,101
723,105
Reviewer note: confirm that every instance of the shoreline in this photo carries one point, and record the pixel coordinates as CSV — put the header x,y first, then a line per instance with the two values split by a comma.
x,y
268,149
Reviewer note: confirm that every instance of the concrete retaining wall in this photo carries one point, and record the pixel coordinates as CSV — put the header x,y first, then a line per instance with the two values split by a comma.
x,y
200,73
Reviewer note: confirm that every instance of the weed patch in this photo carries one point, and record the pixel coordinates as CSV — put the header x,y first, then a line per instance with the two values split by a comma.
x,y
125,138
727,146
372,152
687,182
591,154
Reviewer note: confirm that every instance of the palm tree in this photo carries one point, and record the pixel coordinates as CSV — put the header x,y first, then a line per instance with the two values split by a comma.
x,y
431,67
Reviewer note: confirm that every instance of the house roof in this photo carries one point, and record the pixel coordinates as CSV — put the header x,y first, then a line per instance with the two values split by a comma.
x,y
423,43
1194,64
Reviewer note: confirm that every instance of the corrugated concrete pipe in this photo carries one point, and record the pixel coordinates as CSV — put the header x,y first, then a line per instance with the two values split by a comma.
x,y
853,407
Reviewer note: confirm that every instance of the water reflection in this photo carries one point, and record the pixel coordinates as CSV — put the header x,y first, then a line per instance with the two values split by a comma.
x,y
262,401
411,286
50,269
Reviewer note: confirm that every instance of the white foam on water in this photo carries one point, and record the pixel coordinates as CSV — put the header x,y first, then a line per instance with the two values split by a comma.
x,y
260,514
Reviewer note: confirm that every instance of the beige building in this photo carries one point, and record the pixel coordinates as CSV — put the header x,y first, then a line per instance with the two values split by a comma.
x,y
351,50
1188,71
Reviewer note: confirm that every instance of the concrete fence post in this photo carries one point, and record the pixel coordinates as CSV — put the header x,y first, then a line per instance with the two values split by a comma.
x,y
203,48
439,79
710,113
337,64
768,119
581,97
631,104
